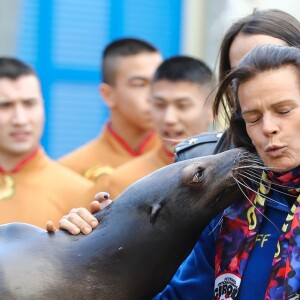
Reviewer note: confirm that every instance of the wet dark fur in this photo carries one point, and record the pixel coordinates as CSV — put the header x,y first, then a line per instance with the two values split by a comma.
x,y
143,238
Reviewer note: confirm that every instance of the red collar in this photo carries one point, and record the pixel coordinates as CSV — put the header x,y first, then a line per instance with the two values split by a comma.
x,y
20,165
125,145
169,154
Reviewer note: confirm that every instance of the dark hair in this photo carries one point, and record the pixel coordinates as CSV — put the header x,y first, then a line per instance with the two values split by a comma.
x,y
272,22
121,48
260,59
13,68
183,68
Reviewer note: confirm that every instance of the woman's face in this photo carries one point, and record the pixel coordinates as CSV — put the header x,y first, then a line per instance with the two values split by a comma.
x,y
243,43
270,104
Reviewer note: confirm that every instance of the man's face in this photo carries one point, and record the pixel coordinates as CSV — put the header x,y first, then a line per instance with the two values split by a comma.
x,y
131,88
21,115
179,110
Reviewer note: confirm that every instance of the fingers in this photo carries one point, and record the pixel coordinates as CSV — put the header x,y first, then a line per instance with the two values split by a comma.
x,y
78,220
95,206
102,196
103,200
50,226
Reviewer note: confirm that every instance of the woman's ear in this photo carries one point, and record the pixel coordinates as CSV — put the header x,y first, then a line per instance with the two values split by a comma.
x,y
107,93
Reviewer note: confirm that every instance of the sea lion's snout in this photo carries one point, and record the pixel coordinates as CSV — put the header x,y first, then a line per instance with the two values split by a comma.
x,y
243,162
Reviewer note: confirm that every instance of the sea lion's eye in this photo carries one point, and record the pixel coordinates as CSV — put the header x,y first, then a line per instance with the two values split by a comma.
x,y
198,175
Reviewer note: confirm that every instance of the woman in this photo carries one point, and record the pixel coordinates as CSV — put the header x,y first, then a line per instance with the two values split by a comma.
x,y
265,93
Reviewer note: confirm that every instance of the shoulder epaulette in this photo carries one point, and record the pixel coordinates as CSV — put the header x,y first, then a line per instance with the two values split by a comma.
x,y
198,145
203,138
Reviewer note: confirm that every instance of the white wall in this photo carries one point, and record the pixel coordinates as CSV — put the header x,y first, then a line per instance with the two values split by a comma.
x,y
9,20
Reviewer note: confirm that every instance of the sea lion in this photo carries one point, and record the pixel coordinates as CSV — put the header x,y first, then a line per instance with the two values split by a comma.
x,y
143,237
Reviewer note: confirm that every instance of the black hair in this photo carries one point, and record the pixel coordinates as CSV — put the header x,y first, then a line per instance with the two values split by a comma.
x,y
183,68
122,48
14,68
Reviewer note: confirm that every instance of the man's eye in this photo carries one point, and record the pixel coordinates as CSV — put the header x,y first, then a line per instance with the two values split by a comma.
x,y
159,105
184,106
5,105
30,103
138,83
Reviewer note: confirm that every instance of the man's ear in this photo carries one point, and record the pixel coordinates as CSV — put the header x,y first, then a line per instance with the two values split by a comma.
x,y
107,93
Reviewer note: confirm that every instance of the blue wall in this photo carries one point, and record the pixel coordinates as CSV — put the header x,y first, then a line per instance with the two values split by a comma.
x,y
63,41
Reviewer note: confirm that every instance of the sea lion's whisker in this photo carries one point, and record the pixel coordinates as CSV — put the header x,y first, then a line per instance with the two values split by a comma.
x,y
250,158
215,227
253,173
253,160
253,166
257,180
238,183
242,182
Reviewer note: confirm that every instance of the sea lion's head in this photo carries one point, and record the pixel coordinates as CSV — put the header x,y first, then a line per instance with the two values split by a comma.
x,y
199,187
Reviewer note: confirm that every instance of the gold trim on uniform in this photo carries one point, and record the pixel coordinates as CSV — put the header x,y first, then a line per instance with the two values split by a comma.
x,y
7,188
95,172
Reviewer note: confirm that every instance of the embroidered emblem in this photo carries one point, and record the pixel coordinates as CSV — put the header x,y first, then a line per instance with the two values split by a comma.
x,y
227,286
96,171
192,141
7,188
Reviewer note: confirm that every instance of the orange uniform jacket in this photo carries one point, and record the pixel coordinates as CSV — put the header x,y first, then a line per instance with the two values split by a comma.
x,y
105,153
134,170
40,189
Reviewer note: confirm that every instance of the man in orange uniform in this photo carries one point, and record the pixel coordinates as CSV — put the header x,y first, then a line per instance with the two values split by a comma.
x,y
33,188
179,89
127,68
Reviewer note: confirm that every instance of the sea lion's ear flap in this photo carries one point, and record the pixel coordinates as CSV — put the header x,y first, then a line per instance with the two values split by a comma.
x,y
155,209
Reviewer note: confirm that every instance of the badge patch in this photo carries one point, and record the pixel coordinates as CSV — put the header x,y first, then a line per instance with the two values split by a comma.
x,y
227,286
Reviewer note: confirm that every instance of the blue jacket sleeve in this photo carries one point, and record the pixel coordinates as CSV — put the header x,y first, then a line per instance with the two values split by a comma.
x,y
195,277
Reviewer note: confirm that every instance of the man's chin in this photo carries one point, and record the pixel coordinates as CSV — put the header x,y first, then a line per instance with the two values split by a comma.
x,y
21,150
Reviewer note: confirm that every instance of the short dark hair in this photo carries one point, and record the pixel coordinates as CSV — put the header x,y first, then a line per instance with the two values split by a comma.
x,y
258,60
183,68
122,48
14,68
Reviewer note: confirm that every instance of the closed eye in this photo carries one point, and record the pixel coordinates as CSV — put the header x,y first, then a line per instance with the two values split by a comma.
x,y
283,112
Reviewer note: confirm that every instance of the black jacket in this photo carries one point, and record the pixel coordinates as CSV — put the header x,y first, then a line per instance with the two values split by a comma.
x,y
201,145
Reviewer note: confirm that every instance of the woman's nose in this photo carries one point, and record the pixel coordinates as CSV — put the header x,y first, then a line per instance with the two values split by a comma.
x,y
270,126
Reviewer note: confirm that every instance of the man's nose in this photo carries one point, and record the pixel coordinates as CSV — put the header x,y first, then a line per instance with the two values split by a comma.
x,y
170,115
19,115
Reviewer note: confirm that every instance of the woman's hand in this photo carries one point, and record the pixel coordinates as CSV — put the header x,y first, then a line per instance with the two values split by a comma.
x,y
80,220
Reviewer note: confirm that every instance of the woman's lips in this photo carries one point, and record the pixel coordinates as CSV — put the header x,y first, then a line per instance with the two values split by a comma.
x,y
275,151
